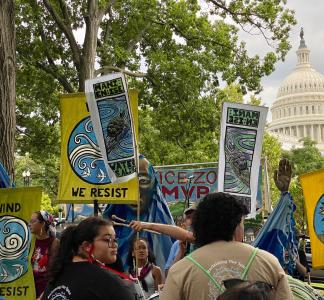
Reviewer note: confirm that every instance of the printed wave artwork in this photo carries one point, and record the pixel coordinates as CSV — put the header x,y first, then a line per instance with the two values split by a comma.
x,y
239,149
84,154
319,219
116,127
15,241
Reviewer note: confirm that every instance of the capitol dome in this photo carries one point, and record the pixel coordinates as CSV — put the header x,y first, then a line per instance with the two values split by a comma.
x,y
298,111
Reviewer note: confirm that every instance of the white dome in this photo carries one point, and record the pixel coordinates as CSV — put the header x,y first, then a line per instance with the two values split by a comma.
x,y
298,111
302,80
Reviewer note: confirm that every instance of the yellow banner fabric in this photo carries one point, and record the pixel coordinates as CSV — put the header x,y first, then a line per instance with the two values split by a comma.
x,y
313,189
83,177
17,244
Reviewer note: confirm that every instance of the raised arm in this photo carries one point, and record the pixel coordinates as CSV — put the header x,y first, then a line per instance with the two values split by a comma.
x,y
171,230
282,176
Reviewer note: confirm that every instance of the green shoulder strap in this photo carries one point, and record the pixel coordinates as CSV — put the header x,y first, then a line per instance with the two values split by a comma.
x,y
216,284
248,265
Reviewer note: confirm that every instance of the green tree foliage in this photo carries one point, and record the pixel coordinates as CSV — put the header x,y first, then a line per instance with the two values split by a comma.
x,y
46,204
186,50
304,160
43,174
271,149
190,135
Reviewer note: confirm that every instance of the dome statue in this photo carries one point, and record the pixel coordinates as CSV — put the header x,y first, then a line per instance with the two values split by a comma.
x,y
298,111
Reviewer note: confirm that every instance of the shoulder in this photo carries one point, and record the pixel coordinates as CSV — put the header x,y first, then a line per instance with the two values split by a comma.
x,y
156,270
55,243
267,256
183,266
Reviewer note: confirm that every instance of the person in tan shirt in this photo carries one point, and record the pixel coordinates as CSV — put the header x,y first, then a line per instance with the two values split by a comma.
x,y
218,230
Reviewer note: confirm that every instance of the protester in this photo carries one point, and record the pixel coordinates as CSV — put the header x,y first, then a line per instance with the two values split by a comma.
x,y
46,245
302,269
148,273
217,226
78,272
180,248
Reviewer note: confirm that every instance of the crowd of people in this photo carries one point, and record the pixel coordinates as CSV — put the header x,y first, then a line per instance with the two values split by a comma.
x,y
208,260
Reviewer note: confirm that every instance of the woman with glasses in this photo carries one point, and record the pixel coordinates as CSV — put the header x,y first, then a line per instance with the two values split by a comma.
x,y
149,275
78,270
42,226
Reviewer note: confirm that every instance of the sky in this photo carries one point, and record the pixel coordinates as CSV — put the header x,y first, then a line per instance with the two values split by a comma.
x,y
309,15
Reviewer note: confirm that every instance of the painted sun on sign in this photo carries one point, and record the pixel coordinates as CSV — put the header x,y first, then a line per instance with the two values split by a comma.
x,y
319,219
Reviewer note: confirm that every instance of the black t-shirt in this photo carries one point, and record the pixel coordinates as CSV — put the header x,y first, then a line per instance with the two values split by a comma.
x,y
84,281
117,265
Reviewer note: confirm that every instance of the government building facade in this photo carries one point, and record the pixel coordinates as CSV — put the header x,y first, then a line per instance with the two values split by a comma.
x,y
298,111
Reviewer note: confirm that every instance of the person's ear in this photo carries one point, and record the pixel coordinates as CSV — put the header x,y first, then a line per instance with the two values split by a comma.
x,y
86,246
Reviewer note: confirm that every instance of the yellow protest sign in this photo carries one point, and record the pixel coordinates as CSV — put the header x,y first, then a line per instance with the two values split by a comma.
x,y
83,176
16,274
313,189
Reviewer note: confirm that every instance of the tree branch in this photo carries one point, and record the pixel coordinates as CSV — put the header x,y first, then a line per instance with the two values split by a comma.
x,y
106,9
53,71
66,29
65,11
235,16
109,69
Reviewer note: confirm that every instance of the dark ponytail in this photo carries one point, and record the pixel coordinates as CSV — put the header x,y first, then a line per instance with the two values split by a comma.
x,y
71,239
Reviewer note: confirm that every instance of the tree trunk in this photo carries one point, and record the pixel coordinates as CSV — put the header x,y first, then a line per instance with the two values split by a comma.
x,y
7,84
90,44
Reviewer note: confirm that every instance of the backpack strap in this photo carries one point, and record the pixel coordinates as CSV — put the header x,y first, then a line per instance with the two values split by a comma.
x,y
248,265
207,272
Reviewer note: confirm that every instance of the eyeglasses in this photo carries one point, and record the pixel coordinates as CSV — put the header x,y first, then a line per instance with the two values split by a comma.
x,y
111,241
236,282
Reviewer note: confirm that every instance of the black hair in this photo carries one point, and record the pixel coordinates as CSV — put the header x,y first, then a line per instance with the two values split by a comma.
x,y
71,239
248,292
216,218
41,219
130,260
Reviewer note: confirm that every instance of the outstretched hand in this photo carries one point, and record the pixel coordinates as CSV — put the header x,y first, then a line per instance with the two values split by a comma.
x,y
282,176
136,225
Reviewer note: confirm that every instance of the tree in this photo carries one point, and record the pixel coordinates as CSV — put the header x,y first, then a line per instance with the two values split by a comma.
x,y
190,135
7,84
271,149
185,53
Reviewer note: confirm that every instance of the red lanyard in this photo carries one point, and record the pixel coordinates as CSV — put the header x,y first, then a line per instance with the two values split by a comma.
x,y
92,260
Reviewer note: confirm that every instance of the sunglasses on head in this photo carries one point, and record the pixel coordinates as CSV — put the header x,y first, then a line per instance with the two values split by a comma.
x,y
236,282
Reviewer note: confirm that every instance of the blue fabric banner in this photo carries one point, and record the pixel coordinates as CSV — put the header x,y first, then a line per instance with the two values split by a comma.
x,y
153,209
4,177
278,235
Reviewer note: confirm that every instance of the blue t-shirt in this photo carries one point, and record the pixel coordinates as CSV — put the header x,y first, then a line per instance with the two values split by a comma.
x,y
173,253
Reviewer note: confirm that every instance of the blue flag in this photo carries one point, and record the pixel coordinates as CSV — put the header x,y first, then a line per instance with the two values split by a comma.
x,y
278,234
153,209
4,177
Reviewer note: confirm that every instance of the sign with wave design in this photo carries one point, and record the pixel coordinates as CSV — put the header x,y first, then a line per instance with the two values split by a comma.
x,y
83,174
240,151
16,246
111,117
